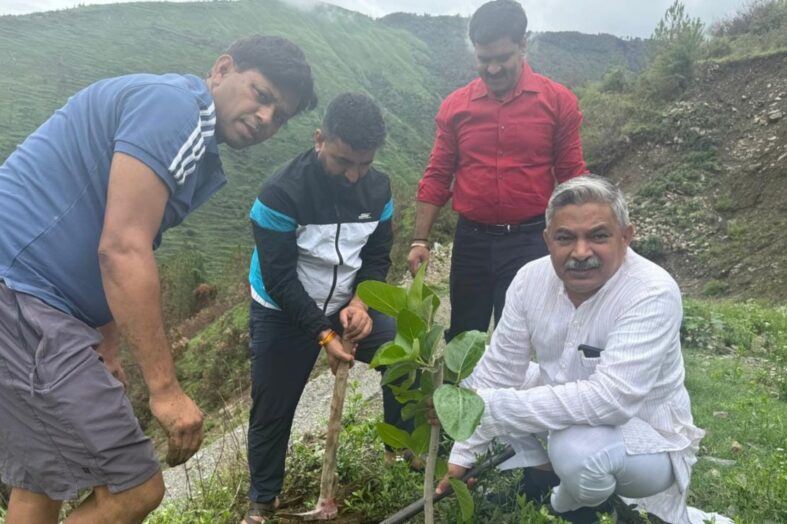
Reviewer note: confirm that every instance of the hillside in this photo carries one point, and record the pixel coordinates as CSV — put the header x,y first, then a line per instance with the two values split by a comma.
x,y
407,63
48,56
569,57
708,180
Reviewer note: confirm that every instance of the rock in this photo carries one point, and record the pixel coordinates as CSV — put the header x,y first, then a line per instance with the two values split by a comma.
x,y
775,116
736,447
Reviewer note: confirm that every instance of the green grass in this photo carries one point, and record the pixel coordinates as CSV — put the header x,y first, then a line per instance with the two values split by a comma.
x,y
734,356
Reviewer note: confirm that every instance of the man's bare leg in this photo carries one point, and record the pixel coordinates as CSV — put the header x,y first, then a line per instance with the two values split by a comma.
x,y
127,507
27,506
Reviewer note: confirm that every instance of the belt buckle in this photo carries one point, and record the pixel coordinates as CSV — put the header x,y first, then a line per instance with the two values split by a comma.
x,y
499,229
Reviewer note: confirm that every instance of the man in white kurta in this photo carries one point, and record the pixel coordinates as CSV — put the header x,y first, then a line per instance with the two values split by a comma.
x,y
603,323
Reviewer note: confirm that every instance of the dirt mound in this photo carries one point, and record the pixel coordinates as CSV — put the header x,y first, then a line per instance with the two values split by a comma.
x,y
709,191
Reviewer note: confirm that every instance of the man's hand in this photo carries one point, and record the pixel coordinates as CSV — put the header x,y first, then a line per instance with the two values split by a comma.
x,y
454,472
181,420
418,255
356,321
338,350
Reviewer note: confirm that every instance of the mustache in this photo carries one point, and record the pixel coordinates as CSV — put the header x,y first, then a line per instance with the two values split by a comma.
x,y
572,264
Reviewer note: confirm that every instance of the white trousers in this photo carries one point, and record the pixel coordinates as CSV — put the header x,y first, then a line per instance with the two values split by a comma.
x,y
592,465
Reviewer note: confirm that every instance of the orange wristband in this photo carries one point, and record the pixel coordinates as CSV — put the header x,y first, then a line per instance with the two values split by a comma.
x,y
327,339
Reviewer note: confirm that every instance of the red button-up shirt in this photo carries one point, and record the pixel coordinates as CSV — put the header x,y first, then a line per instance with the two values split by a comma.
x,y
504,158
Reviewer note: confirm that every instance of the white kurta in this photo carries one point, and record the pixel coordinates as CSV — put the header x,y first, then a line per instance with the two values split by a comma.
x,y
636,383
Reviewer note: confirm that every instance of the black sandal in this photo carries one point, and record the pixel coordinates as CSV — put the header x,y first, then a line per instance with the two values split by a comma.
x,y
261,510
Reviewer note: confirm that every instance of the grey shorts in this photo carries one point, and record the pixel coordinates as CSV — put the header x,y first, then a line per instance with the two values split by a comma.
x,y
65,421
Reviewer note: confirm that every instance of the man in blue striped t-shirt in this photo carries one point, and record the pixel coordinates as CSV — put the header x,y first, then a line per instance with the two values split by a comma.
x,y
85,200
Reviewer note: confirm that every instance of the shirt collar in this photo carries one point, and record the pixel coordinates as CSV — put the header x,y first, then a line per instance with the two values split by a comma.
x,y
526,83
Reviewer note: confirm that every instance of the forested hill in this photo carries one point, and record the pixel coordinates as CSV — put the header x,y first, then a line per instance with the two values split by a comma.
x,y
46,57
569,57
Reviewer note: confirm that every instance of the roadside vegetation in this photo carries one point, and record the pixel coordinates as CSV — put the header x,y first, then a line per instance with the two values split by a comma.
x,y
692,218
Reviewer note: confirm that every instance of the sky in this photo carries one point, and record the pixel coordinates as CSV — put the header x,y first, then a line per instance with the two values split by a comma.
x,y
617,17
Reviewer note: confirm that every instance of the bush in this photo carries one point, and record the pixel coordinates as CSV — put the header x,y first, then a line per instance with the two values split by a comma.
x,y
759,17
649,247
675,46
714,288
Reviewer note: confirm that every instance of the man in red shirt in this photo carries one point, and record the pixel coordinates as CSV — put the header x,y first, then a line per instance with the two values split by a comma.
x,y
502,143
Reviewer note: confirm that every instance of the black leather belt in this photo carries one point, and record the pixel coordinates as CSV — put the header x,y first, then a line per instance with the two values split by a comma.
x,y
534,224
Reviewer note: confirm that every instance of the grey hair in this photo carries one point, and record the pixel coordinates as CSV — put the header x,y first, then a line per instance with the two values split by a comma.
x,y
585,189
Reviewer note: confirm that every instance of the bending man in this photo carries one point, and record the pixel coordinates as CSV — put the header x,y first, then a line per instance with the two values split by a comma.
x,y
85,200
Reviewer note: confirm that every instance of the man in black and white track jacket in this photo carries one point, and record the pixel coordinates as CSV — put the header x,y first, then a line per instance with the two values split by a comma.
x,y
322,225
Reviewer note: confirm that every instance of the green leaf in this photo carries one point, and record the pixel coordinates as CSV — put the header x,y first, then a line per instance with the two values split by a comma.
x,y
420,439
416,288
399,340
409,325
387,355
396,371
409,410
465,499
459,410
441,467
385,298
424,310
464,351
393,436
405,394
431,341
449,377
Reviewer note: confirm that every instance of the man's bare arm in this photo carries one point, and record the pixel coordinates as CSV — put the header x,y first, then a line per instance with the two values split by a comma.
x,y
136,199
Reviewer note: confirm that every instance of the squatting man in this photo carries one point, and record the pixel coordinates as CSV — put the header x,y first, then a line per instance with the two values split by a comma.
x,y
605,408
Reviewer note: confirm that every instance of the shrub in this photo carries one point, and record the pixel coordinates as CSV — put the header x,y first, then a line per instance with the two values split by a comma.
x,y
714,288
675,46
649,247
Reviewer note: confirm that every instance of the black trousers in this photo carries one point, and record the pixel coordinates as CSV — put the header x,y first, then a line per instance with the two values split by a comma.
x,y
483,263
282,357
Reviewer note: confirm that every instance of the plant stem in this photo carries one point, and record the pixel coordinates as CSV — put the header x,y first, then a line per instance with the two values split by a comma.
x,y
431,459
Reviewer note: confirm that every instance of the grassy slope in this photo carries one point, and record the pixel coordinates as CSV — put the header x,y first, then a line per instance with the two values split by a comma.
x,y
734,355
48,56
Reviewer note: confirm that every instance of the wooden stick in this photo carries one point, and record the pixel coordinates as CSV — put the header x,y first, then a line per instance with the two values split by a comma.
x,y
327,480
327,507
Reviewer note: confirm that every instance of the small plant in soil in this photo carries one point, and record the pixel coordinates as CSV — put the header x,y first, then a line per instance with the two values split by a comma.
x,y
418,367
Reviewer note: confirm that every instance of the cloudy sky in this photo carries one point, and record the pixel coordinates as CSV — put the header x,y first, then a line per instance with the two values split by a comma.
x,y
618,17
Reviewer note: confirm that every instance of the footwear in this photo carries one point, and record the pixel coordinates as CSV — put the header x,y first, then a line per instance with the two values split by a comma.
x,y
260,512
587,515
537,484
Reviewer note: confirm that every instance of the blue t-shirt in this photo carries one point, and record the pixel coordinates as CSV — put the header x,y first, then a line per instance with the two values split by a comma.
x,y
53,187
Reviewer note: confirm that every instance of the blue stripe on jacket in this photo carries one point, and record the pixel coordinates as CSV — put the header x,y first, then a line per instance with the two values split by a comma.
x,y
269,218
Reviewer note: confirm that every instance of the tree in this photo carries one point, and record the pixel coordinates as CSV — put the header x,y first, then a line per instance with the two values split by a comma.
x,y
676,44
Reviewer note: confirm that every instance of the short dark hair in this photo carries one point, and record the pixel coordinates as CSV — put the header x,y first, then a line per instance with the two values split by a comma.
x,y
494,20
281,62
356,120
